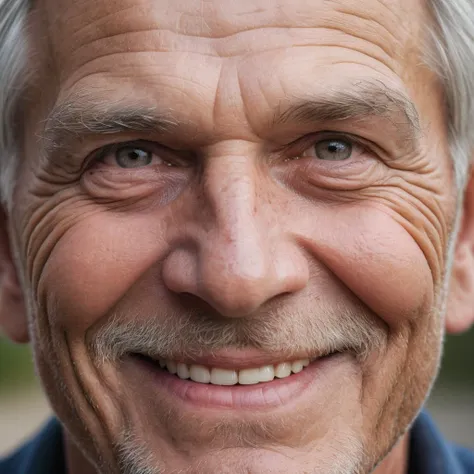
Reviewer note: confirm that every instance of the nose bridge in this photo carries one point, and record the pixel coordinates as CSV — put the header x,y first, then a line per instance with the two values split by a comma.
x,y
230,191
234,258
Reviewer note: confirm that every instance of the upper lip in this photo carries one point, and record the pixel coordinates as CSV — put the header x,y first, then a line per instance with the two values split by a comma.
x,y
233,359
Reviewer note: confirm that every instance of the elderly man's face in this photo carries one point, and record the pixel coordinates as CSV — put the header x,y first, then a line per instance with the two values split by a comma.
x,y
242,188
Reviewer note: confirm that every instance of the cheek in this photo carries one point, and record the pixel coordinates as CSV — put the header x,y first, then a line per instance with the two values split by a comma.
x,y
94,264
378,260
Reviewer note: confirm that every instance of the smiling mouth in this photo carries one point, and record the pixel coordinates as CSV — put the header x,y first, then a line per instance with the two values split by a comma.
x,y
227,377
234,381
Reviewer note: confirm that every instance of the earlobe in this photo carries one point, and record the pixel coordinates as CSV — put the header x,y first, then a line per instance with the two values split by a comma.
x,y
13,321
460,310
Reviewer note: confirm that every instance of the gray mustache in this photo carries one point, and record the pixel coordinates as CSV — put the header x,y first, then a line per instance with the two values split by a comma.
x,y
284,332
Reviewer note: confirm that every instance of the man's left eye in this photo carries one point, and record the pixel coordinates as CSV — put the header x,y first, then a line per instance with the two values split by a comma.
x,y
330,150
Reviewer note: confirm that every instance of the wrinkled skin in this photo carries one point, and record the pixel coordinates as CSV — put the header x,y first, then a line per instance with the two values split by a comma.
x,y
246,219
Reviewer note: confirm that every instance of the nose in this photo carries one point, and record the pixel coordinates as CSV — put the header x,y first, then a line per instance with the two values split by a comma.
x,y
241,255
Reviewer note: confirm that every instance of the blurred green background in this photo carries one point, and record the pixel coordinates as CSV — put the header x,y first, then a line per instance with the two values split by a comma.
x,y
16,366
457,368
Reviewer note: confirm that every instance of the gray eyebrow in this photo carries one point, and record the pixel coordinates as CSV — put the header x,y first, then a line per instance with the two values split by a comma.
x,y
357,101
77,118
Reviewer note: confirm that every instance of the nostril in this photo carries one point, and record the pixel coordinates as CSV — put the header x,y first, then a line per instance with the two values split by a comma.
x,y
179,271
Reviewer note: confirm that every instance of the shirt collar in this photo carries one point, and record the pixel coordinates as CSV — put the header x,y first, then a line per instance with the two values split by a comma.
x,y
429,451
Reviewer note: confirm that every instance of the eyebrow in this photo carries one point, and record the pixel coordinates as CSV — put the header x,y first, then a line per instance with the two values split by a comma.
x,y
78,118
357,101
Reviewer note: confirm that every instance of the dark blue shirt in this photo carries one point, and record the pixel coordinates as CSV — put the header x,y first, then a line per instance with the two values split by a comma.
x,y
429,452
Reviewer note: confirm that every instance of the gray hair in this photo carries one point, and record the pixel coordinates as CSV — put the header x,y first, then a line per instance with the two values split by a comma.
x,y
13,74
452,58
450,54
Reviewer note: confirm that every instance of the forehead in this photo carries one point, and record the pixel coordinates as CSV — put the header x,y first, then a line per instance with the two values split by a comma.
x,y
381,29
225,51
222,18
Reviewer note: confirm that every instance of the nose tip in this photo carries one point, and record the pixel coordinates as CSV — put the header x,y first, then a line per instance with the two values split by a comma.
x,y
240,288
235,287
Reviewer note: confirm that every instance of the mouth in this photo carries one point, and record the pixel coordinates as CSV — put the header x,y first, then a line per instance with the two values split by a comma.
x,y
228,377
235,382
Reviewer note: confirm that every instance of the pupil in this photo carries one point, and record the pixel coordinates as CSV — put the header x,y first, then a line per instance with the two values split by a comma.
x,y
129,157
335,147
135,155
333,150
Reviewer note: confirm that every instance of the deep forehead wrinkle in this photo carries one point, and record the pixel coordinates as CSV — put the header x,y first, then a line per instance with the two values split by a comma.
x,y
215,27
217,18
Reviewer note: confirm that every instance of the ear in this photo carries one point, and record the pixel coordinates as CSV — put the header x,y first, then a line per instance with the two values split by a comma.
x,y
460,310
13,320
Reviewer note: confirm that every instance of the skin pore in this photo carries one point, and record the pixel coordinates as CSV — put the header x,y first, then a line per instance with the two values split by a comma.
x,y
270,175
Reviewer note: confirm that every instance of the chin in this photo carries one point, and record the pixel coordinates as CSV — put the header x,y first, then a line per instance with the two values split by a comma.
x,y
341,455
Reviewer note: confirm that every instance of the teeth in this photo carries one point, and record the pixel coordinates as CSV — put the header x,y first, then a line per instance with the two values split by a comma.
x,y
267,373
216,376
171,366
199,373
297,366
183,371
283,370
249,376
224,377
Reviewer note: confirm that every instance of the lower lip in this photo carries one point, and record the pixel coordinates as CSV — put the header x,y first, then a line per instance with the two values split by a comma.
x,y
259,396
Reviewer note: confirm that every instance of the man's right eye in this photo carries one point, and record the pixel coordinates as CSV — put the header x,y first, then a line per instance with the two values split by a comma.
x,y
134,155
138,155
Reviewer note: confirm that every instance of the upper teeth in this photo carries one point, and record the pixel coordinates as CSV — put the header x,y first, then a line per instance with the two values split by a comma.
x,y
216,376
